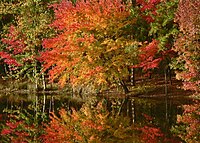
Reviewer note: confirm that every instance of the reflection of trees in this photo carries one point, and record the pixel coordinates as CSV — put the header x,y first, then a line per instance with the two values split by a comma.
x,y
125,107
51,104
37,103
188,127
163,112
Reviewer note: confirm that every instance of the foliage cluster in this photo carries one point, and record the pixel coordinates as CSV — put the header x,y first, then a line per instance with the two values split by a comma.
x,y
24,25
92,43
92,123
188,127
90,47
187,45
97,42
187,65
88,125
21,127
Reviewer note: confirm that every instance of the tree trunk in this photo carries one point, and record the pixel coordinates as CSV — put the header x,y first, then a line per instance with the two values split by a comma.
x,y
124,87
133,3
133,77
166,94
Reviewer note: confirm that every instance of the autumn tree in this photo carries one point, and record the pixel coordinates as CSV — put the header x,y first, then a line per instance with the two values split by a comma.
x,y
100,47
93,44
187,63
158,19
22,37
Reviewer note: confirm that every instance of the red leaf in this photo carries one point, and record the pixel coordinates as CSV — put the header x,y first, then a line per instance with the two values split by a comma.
x,y
6,131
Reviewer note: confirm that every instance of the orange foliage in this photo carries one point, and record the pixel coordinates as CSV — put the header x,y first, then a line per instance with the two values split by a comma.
x,y
58,131
90,124
89,39
70,128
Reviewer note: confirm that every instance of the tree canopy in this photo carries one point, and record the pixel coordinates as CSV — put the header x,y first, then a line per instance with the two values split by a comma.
x,y
98,41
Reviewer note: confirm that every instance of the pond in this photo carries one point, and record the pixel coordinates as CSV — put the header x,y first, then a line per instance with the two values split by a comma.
x,y
160,112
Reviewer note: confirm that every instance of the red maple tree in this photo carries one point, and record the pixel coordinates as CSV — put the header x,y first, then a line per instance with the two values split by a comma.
x,y
90,35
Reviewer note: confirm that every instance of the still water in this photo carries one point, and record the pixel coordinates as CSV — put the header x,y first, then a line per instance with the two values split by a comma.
x,y
161,111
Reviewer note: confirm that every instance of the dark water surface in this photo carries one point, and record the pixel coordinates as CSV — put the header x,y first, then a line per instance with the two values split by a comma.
x,y
162,111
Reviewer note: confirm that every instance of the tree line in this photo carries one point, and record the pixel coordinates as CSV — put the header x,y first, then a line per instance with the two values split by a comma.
x,y
99,42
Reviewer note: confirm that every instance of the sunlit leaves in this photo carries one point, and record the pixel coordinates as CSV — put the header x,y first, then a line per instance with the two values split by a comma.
x,y
91,41
187,64
147,56
23,39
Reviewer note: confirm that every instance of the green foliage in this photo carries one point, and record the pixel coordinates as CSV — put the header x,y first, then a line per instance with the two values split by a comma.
x,y
164,19
25,22
164,30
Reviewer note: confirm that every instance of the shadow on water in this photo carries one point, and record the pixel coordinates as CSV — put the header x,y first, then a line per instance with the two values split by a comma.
x,y
45,103
161,111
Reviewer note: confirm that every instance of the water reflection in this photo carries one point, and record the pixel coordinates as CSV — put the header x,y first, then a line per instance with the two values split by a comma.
x,y
163,111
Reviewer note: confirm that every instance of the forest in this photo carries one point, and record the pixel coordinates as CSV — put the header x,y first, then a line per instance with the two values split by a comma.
x,y
118,48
